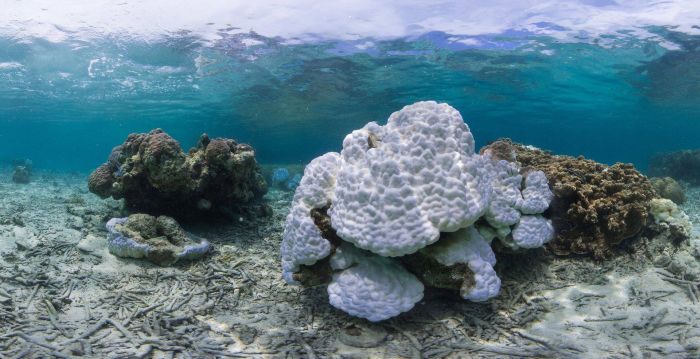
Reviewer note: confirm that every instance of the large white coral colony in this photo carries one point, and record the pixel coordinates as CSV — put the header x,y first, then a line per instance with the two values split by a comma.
x,y
413,186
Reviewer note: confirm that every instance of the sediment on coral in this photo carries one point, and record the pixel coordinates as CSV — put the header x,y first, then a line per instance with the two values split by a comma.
x,y
595,206
153,175
680,165
409,205
160,239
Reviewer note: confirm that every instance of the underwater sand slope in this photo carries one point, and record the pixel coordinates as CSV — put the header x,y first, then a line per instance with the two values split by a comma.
x,y
63,295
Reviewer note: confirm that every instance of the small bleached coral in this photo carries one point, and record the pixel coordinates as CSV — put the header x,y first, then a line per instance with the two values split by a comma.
x,y
516,199
159,239
153,175
665,211
398,208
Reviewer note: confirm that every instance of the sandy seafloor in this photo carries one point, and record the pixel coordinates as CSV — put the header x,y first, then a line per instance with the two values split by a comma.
x,y
63,295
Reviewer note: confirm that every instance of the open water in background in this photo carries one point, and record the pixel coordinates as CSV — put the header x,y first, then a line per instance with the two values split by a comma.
x,y
70,90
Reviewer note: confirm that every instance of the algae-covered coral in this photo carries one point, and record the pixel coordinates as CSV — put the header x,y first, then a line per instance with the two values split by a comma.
x,y
160,239
400,202
152,174
595,206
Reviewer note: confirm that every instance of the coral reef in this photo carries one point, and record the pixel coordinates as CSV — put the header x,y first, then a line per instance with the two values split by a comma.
x,y
153,175
680,165
407,205
160,240
667,187
595,206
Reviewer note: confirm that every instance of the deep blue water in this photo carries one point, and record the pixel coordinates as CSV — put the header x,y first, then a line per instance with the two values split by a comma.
x,y
65,104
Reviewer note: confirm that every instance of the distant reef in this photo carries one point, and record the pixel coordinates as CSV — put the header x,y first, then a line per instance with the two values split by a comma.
x,y
154,175
680,165
667,187
22,171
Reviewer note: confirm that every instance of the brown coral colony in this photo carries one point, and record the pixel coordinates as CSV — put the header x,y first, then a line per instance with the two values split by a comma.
x,y
595,206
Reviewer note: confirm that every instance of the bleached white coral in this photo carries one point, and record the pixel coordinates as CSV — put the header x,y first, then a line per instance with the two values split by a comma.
x,y
121,245
402,184
467,246
502,211
399,188
371,287
516,200
536,194
302,242
532,231
664,210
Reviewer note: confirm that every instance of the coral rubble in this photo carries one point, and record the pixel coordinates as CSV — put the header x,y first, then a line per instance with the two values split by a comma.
x,y
161,240
680,165
153,175
667,187
595,206
408,205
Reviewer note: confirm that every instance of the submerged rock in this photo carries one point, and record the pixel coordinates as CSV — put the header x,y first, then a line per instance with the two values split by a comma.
x,y
153,175
595,206
161,240
21,174
667,187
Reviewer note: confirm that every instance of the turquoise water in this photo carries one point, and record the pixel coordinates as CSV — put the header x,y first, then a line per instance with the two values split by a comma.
x,y
612,97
